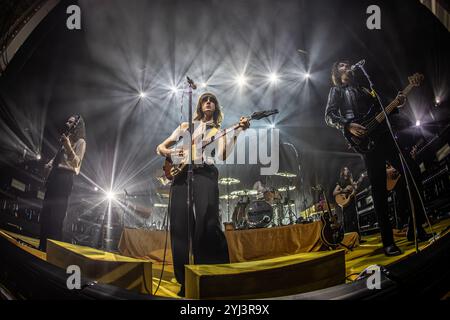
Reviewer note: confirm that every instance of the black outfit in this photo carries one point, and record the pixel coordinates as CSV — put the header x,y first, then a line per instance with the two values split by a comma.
x,y
59,188
348,102
349,212
209,242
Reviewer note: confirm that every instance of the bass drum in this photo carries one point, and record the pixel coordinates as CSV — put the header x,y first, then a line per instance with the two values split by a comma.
x,y
260,214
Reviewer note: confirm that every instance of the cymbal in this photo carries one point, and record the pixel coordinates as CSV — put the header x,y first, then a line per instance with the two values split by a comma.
x,y
228,197
229,181
244,193
286,174
284,189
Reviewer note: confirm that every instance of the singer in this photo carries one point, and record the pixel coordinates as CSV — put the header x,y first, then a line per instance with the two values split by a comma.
x,y
61,170
348,101
209,242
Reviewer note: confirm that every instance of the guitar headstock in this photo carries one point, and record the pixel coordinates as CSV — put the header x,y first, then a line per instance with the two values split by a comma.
x,y
263,114
416,79
74,126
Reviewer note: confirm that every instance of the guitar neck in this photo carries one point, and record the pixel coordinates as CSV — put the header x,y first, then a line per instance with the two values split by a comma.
x,y
393,105
222,134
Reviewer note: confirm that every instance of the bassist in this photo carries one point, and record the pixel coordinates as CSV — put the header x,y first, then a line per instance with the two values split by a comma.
x,y
62,168
347,102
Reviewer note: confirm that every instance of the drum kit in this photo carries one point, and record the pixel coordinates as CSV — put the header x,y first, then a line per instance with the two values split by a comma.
x,y
259,207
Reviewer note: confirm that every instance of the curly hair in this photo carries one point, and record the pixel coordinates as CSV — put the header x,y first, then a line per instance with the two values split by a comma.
x,y
217,116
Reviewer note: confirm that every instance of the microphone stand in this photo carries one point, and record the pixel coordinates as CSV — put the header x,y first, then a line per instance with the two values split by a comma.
x,y
400,154
190,178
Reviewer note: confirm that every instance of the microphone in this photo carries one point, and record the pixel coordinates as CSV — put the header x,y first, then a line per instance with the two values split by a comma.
x,y
358,64
191,83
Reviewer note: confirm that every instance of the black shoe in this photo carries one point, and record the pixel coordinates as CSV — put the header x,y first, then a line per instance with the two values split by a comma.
x,y
181,293
392,250
422,235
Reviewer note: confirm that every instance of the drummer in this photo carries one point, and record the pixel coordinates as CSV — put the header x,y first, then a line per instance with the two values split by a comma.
x,y
260,189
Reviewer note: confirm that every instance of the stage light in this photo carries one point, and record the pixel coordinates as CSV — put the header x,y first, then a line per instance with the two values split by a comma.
x,y
174,89
437,102
161,205
203,85
307,75
110,196
142,95
272,126
95,189
241,80
273,77
418,123
38,157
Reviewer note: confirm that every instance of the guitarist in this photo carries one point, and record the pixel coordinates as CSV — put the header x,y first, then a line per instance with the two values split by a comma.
x,y
209,242
348,101
346,185
62,168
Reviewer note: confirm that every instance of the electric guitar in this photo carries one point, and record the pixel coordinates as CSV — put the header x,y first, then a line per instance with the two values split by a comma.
x,y
332,232
171,170
343,199
366,142
59,155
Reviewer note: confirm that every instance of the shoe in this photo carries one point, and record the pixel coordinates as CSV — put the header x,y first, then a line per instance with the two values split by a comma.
x,y
392,250
422,235
181,293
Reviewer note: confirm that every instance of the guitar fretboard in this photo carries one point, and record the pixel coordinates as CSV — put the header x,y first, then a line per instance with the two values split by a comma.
x,y
394,104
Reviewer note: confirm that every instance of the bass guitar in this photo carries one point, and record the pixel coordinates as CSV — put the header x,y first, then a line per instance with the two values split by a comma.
x,y
171,170
59,155
366,143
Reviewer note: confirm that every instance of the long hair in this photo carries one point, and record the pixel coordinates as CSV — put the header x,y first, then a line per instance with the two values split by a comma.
x,y
335,74
341,175
217,115
80,131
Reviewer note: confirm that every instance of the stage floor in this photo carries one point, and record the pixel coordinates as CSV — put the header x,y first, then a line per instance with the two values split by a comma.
x,y
366,254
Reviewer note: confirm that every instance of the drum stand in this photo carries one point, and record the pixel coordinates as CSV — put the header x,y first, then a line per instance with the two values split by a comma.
x,y
291,214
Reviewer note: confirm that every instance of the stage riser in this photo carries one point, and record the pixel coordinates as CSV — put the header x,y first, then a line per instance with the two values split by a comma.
x,y
288,275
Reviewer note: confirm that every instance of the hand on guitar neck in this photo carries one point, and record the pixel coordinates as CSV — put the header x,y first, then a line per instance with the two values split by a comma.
x,y
360,131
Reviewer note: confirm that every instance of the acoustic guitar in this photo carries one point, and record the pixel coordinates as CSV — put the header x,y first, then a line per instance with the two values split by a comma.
x,y
344,198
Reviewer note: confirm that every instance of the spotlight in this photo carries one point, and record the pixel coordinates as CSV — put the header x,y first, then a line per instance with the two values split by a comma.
x,y
437,101
273,77
272,126
203,85
95,189
418,123
174,89
241,80
142,95
307,75
38,157
110,196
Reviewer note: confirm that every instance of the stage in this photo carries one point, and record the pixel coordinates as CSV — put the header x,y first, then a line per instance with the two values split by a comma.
x,y
362,256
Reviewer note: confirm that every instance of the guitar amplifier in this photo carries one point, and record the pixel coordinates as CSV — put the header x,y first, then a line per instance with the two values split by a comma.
x,y
367,217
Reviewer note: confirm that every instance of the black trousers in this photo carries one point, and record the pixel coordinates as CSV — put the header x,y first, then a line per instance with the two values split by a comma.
x,y
59,188
376,169
209,242
350,217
